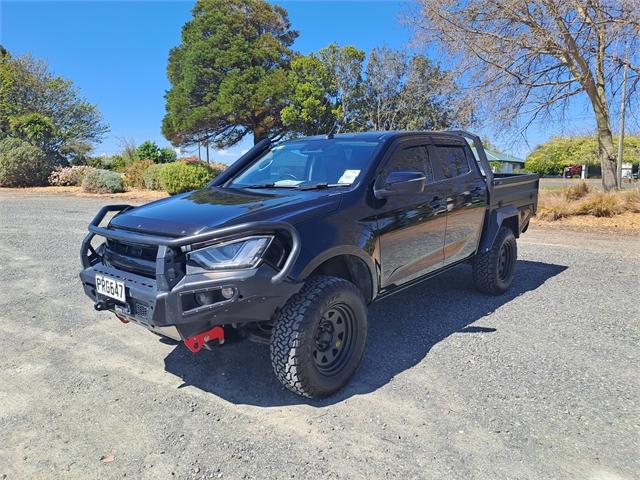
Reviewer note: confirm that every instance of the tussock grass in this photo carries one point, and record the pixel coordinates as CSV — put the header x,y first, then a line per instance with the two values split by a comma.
x,y
632,201
579,200
576,192
600,204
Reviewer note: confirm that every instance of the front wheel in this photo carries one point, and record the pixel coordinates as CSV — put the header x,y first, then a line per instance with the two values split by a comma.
x,y
319,337
494,270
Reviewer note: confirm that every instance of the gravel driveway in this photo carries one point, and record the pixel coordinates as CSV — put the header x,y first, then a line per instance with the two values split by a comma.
x,y
540,383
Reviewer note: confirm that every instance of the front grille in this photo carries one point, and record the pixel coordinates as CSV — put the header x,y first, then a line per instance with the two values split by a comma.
x,y
136,251
138,259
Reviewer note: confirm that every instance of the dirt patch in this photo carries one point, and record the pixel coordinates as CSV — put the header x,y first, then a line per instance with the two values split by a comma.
x,y
623,224
141,196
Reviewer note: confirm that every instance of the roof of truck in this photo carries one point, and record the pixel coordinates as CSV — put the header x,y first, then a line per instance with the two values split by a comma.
x,y
386,135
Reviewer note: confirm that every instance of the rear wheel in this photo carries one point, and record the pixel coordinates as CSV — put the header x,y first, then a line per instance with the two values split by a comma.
x,y
319,337
494,270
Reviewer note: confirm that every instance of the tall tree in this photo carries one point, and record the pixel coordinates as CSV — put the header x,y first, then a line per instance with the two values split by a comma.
x,y
229,75
405,92
44,109
326,87
531,58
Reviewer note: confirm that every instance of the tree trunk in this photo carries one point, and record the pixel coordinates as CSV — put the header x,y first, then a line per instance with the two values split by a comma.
x,y
259,133
605,138
607,157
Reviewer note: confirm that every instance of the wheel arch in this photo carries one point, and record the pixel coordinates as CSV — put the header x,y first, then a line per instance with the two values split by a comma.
x,y
508,216
349,263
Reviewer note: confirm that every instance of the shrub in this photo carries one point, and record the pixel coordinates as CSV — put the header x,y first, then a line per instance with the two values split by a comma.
x,y
134,173
632,201
151,177
215,166
149,150
119,163
178,177
554,206
103,181
191,159
22,164
167,155
600,204
69,176
576,192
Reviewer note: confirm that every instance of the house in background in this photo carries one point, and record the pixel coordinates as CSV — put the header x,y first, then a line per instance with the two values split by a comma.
x,y
506,163
509,163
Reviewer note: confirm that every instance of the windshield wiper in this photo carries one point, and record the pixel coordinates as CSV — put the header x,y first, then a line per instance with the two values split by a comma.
x,y
265,185
321,185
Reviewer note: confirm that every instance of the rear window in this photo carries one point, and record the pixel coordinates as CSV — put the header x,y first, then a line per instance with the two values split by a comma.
x,y
453,161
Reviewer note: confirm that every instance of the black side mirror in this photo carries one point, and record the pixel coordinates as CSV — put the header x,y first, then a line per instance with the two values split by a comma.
x,y
401,183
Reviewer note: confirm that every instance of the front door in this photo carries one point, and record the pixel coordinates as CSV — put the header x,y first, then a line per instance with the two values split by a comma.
x,y
411,226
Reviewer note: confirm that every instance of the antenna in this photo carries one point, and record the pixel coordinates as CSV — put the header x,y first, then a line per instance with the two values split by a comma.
x,y
335,129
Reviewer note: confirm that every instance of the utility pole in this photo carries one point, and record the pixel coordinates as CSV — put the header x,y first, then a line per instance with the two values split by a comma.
x,y
623,102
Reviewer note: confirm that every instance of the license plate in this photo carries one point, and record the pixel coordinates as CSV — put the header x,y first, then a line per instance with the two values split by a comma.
x,y
110,287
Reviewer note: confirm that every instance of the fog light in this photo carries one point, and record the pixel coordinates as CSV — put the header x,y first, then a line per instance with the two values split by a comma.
x,y
228,292
206,298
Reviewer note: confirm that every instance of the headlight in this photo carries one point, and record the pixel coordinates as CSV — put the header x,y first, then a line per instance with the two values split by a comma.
x,y
242,253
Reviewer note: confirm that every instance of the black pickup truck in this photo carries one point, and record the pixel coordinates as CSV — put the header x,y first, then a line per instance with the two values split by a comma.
x,y
292,241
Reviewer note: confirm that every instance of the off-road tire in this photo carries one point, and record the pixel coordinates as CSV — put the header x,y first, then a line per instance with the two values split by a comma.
x,y
488,275
296,333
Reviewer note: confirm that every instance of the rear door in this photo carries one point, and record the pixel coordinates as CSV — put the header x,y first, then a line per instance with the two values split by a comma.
x,y
412,226
466,197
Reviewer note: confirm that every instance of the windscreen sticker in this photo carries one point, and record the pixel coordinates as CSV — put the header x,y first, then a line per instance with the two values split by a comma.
x,y
287,183
349,176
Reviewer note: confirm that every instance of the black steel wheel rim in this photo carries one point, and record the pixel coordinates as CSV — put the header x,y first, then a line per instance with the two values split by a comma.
x,y
334,339
505,261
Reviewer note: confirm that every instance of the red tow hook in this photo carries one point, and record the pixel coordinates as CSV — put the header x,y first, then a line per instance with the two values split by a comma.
x,y
198,341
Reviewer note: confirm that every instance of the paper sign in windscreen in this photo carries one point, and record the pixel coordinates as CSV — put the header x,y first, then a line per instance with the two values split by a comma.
x,y
349,176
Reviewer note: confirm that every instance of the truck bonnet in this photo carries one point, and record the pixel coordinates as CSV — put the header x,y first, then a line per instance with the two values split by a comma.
x,y
194,212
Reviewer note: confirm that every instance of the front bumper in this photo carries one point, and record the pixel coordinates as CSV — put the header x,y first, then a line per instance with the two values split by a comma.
x,y
165,304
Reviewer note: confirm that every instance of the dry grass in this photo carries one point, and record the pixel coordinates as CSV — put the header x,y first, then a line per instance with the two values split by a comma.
x,y
576,192
600,204
554,206
137,196
632,201
579,200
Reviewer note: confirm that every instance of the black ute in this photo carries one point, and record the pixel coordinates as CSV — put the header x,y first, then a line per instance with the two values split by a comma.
x,y
292,241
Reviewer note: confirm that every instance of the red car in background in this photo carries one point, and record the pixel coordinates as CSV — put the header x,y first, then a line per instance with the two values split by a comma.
x,y
572,171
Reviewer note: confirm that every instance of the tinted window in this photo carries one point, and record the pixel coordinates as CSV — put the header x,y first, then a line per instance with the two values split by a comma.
x,y
453,161
411,159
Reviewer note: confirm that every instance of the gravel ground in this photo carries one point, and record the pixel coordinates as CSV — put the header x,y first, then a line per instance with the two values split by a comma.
x,y
540,383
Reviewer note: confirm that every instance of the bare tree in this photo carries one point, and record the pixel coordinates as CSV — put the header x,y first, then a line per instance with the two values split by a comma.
x,y
529,59
409,92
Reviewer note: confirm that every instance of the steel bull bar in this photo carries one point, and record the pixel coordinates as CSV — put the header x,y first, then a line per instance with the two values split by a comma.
x,y
167,247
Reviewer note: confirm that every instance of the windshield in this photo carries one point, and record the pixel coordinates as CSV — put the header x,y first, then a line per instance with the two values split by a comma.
x,y
332,162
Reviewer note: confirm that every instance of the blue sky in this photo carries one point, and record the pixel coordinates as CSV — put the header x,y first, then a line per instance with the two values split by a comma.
x,y
116,52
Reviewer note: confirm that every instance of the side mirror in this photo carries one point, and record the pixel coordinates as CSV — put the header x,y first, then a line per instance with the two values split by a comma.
x,y
401,183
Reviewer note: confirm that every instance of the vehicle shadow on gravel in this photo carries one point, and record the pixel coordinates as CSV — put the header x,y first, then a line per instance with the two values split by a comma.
x,y
402,330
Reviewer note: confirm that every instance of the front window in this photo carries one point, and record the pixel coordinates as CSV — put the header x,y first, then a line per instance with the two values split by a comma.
x,y
334,162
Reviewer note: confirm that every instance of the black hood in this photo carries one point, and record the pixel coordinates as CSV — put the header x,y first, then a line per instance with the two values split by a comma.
x,y
195,212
